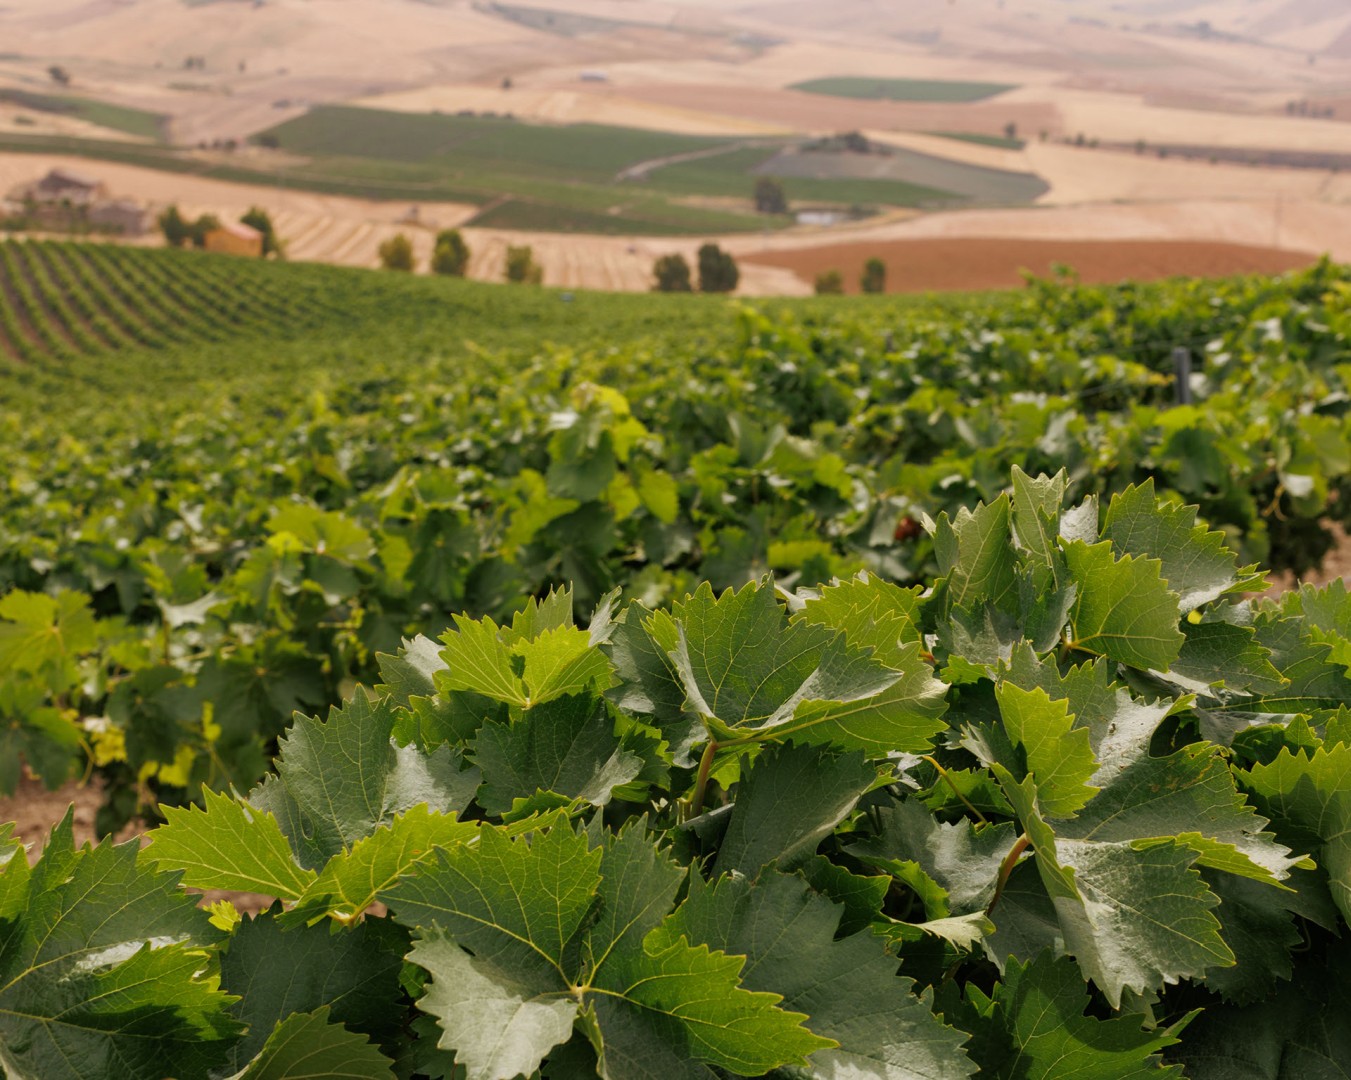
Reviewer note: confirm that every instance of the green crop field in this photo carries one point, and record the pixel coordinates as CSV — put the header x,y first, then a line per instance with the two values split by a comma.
x,y
869,89
1000,142
138,122
577,684
560,178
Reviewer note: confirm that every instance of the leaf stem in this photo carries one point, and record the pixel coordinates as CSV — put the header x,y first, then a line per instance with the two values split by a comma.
x,y
1006,869
955,790
696,804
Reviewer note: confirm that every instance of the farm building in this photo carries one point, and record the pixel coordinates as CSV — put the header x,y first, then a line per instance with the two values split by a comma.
x,y
63,185
235,239
125,216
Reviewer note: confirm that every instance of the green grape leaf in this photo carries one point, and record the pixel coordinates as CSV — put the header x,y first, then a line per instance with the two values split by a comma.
x,y
339,780
975,557
1134,919
861,896
1122,608
278,972
746,668
305,1046
1188,796
567,746
509,666
787,803
1057,752
848,988
411,672
37,630
1195,563
1257,923
1298,1034
324,532
558,933
537,617
351,880
952,867
479,660
1308,798
1033,1027
640,647
226,844
1035,517
559,662
498,1025
871,612
1221,656
103,969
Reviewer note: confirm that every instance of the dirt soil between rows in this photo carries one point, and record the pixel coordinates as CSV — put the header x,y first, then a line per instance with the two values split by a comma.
x,y
938,265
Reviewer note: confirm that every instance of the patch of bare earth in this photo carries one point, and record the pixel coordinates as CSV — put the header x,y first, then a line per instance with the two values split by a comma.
x,y
35,811
973,263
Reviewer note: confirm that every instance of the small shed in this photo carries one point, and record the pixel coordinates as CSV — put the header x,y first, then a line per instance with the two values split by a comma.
x,y
124,216
235,238
68,186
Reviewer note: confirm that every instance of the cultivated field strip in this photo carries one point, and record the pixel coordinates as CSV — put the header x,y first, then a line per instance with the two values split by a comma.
x,y
62,300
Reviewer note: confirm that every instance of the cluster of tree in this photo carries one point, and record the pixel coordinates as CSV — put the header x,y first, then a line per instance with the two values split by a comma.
x,y
846,142
873,280
194,63
179,231
450,254
260,219
1312,109
718,272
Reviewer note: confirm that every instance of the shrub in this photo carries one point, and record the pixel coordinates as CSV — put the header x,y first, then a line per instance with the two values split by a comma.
x,y
451,254
521,266
718,271
770,197
260,219
874,278
396,253
829,283
175,227
672,273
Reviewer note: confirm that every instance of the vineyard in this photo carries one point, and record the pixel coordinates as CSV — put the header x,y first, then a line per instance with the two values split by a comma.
x,y
65,300
661,686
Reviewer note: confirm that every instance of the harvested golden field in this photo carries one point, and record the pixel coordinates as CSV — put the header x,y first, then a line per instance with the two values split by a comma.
x,y
977,263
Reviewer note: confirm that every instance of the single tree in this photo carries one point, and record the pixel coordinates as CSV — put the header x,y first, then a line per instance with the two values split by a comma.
x,y
829,283
718,271
260,219
521,266
199,229
1011,131
59,75
396,253
672,273
770,197
175,227
451,254
874,278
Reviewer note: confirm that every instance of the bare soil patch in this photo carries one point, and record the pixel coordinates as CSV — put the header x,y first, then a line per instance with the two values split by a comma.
x,y
976,263
35,811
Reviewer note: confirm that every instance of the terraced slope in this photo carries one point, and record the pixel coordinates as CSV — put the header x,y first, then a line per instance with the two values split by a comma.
x,y
60,300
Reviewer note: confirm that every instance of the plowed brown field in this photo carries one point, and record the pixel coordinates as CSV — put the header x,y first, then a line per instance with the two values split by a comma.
x,y
975,263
